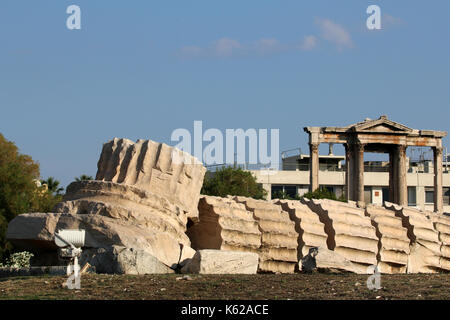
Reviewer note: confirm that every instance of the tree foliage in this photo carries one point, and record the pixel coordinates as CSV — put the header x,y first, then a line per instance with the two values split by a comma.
x,y
18,174
20,191
232,181
53,185
84,177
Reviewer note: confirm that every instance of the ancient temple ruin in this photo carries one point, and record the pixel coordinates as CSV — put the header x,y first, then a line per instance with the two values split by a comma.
x,y
381,136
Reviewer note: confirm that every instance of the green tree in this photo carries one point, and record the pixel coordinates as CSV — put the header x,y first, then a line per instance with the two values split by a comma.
x,y
232,181
18,176
84,177
53,186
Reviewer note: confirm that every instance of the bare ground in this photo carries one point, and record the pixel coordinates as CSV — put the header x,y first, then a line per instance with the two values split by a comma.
x,y
229,287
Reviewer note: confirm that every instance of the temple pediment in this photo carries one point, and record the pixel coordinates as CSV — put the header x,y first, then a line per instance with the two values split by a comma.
x,y
381,125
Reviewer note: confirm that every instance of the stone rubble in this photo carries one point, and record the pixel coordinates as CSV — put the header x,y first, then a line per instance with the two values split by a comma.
x,y
144,214
142,198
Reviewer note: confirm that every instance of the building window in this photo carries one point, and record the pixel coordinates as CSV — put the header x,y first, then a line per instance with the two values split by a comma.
x,y
446,193
368,194
291,191
429,195
386,194
276,191
284,190
412,196
337,190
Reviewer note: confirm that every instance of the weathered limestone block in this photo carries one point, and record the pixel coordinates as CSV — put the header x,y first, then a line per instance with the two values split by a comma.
x,y
322,259
350,232
311,231
425,253
35,232
122,260
278,252
222,262
154,167
393,245
441,224
125,203
224,225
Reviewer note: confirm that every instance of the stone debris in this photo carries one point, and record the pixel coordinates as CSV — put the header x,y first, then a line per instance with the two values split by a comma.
x,y
350,232
144,214
224,225
35,232
311,231
122,260
278,252
142,199
393,245
222,262
322,259
425,255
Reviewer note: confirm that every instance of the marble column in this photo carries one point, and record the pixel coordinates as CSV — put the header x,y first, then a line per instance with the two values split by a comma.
x,y
349,174
392,183
359,174
401,176
314,166
438,196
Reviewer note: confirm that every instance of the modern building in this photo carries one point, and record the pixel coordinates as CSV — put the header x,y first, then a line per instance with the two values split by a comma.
x,y
402,180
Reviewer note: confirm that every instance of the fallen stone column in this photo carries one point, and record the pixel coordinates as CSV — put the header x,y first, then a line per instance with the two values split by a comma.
x,y
224,225
142,199
153,167
425,252
125,203
350,232
311,231
278,252
393,246
442,226
35,232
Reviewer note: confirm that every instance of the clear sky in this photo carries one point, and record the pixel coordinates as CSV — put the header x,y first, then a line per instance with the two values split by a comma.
x,y
141,69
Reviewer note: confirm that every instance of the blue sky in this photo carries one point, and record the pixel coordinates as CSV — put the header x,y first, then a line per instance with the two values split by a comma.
x,y
141,69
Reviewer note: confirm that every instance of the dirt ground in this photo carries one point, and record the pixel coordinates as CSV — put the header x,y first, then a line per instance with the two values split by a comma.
x,y
229,287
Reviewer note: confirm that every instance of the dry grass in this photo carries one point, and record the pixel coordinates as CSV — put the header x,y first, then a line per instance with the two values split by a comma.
x,y
226,287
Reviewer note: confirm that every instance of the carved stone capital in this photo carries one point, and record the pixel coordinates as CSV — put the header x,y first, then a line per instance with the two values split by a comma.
x,y
401,150
314,147
438,151
349,149
360,147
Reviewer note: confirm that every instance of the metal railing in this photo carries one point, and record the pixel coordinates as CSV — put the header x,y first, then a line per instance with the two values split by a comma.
x,y
295,167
